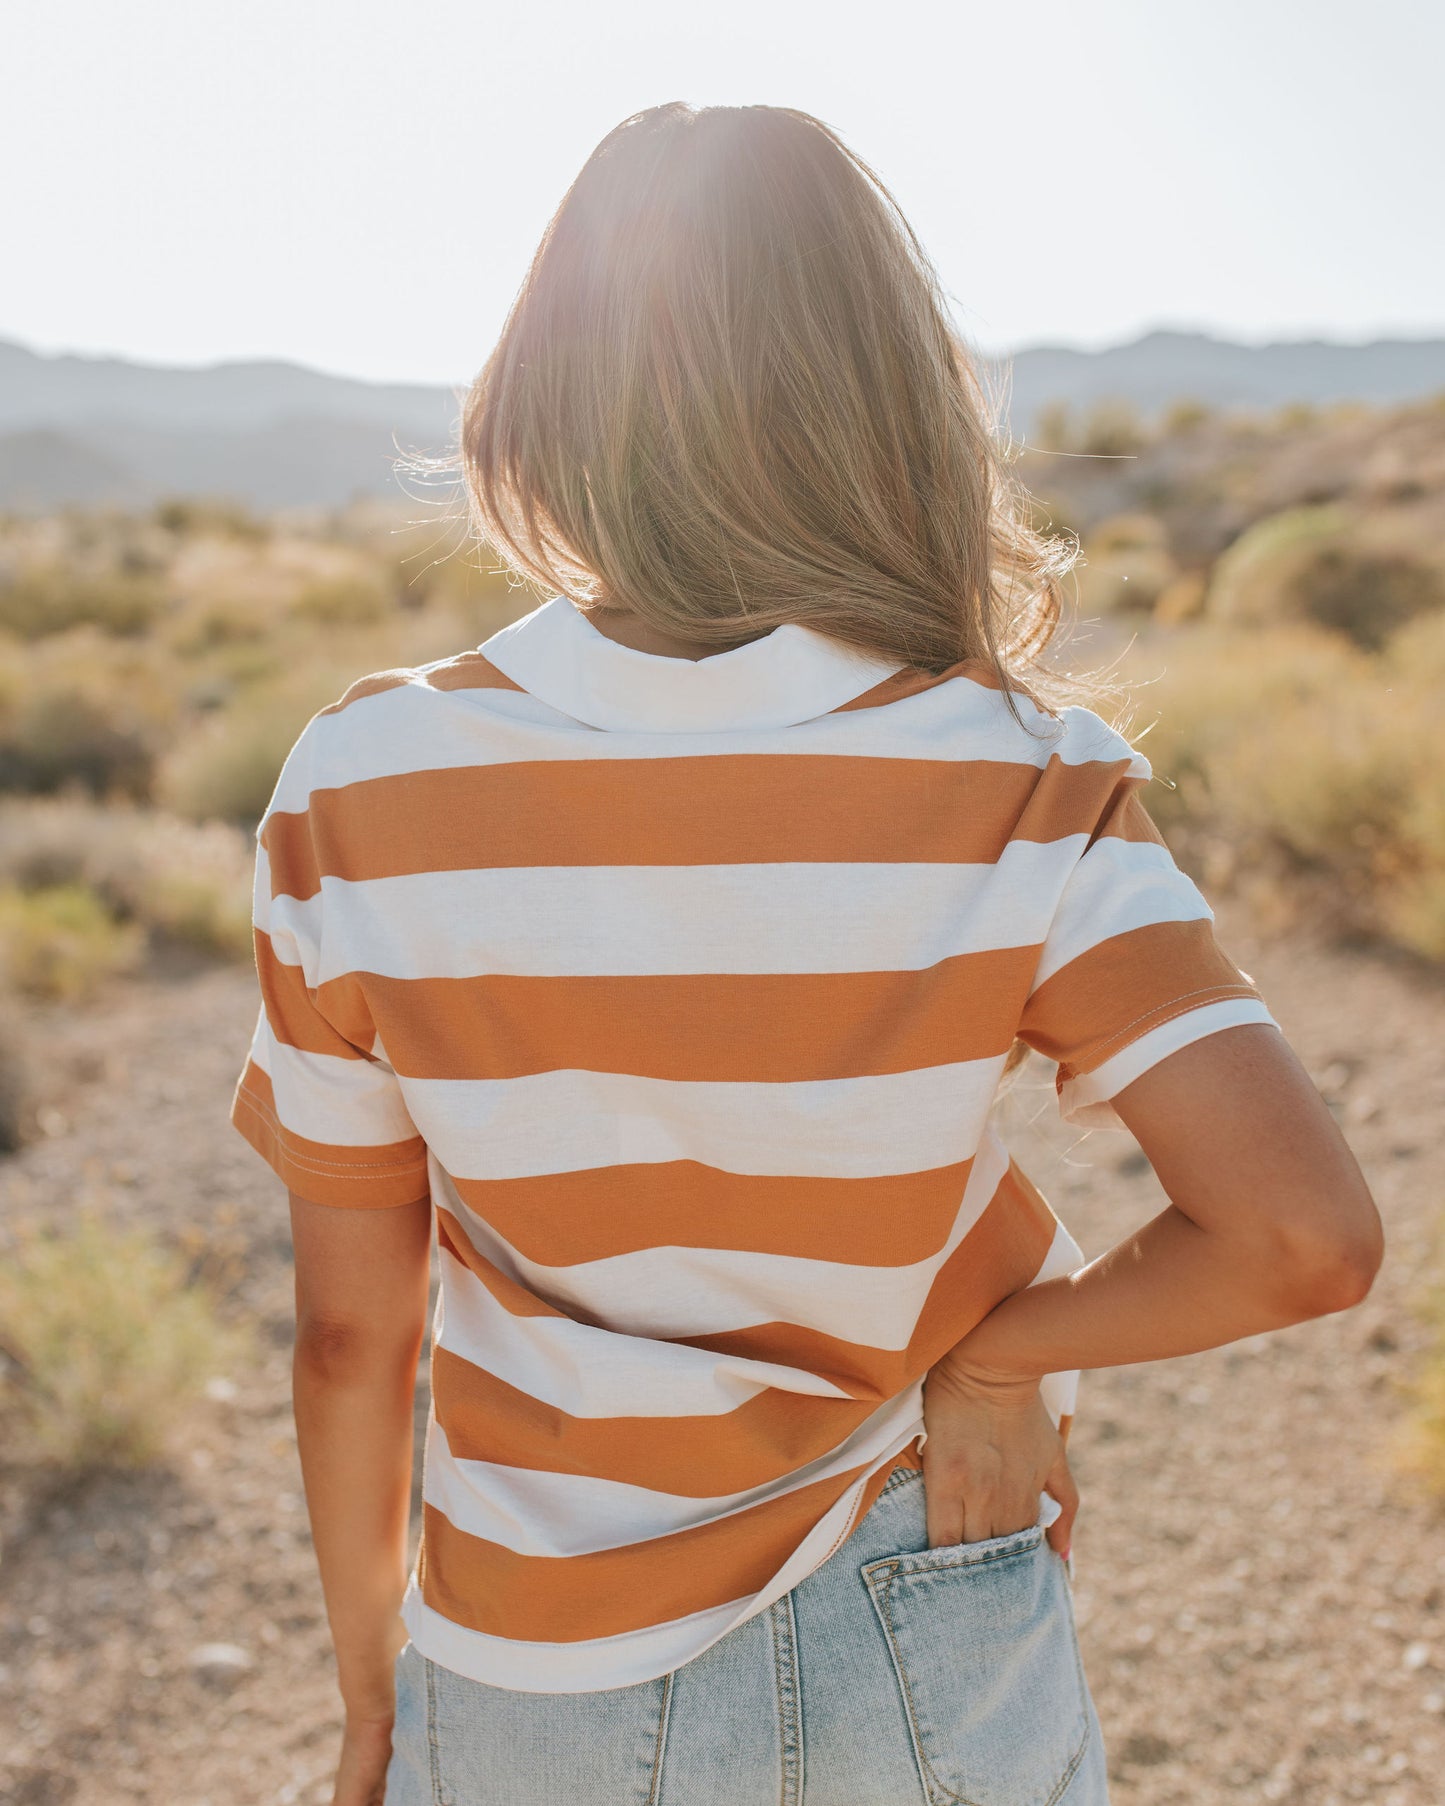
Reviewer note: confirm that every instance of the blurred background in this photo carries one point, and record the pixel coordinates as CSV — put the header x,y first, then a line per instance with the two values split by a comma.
x,y
253,256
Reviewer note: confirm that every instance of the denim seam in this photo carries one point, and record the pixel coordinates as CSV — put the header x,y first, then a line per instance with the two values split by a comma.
x,y
786,1683
663,1716
433,1751
900,1476
931,1782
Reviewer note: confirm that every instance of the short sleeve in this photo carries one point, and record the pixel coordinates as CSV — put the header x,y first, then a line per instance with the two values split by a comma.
x,y
316,1097
1130,971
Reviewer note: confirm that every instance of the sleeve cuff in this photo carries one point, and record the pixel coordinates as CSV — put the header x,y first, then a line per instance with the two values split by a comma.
x,y
1084,1098
361,1178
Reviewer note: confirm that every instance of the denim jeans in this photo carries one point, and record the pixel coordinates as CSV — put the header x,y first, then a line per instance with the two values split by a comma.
x,y
894,1675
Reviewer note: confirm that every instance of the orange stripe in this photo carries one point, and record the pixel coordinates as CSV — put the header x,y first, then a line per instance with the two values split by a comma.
x,y
999,1255
703,1457
513,1296
1127,817
717,809
745,1027
598,1212
777,1431
557,1599
1131,982
375,1177
294,1011
911,682
371,685
467,671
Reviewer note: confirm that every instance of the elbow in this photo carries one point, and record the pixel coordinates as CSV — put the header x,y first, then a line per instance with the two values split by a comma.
x,y
336,1352
1335,1271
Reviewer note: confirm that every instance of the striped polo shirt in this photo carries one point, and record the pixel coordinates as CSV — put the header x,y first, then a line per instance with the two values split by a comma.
x,y
684,990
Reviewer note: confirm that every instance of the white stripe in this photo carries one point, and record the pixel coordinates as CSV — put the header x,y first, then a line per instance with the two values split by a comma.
x,y
638,1655
584,921
350,1103
568,1121
1118,885
1085,1100
684,1291
413,728
534,1512
1059,1391
590,1372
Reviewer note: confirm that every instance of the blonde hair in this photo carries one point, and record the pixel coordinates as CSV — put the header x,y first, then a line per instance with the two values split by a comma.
x,y
729,396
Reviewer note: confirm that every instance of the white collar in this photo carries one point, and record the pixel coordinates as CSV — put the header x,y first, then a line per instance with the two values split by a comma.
x,y
790,675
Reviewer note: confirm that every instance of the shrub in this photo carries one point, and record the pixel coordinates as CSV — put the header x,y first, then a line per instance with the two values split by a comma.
x,y
51,600
60,735
1112,429
180,880
1205,688
1186,415
60,941
81,709
1290,742
225,621
342,602
106,1341
226,768
1311,564
192,516
1366,595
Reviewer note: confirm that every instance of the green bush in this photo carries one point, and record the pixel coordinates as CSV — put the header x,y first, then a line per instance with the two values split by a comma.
x,y
59,942
1312,564
108,1341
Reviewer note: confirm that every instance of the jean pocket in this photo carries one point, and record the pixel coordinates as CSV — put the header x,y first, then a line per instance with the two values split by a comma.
x,y
981,1637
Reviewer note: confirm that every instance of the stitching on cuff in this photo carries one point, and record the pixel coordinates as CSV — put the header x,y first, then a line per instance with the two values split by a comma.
x,y
325,1168
1182,1006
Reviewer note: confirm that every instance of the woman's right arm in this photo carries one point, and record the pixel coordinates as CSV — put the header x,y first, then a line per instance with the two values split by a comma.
x,y
1269,1222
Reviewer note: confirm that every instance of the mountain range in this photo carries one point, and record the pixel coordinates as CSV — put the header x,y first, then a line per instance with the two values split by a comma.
x,y
107,430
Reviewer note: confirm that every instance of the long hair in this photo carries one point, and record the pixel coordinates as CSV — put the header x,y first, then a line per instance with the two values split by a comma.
x,y
728,396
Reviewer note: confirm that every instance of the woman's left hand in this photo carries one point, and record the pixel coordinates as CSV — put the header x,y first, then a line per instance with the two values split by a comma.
x,y
991,1449
361,1771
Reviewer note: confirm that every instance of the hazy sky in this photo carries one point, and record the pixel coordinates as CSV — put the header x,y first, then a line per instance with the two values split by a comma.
x,y
359,185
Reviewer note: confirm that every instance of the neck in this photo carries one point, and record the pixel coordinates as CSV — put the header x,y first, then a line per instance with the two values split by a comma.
x,y
628,629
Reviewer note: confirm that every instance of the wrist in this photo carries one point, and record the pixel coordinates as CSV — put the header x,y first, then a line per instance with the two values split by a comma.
x,y
986,1373
366,1672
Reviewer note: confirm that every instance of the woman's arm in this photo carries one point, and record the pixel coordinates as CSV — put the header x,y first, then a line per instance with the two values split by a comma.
x,y
361,1296
1269,1223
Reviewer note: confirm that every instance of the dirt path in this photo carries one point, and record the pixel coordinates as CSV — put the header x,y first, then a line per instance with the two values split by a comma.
x,y
1263,1617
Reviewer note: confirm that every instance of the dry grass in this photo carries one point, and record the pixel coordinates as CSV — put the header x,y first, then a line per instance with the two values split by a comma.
x,y
1292,744
176,879
104,1340
60,942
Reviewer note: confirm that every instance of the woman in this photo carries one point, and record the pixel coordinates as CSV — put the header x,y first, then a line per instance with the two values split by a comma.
x,y
665,953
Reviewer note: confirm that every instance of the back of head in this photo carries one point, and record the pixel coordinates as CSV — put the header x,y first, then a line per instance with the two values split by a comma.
x,y
729,396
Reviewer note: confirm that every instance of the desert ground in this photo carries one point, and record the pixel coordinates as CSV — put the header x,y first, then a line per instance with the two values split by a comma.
x,y
1261,1602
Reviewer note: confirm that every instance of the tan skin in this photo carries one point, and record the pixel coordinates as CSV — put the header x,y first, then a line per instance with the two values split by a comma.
x,y
1269,1223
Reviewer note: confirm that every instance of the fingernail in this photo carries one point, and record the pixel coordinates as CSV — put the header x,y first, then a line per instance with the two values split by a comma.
x,y
1068,1551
